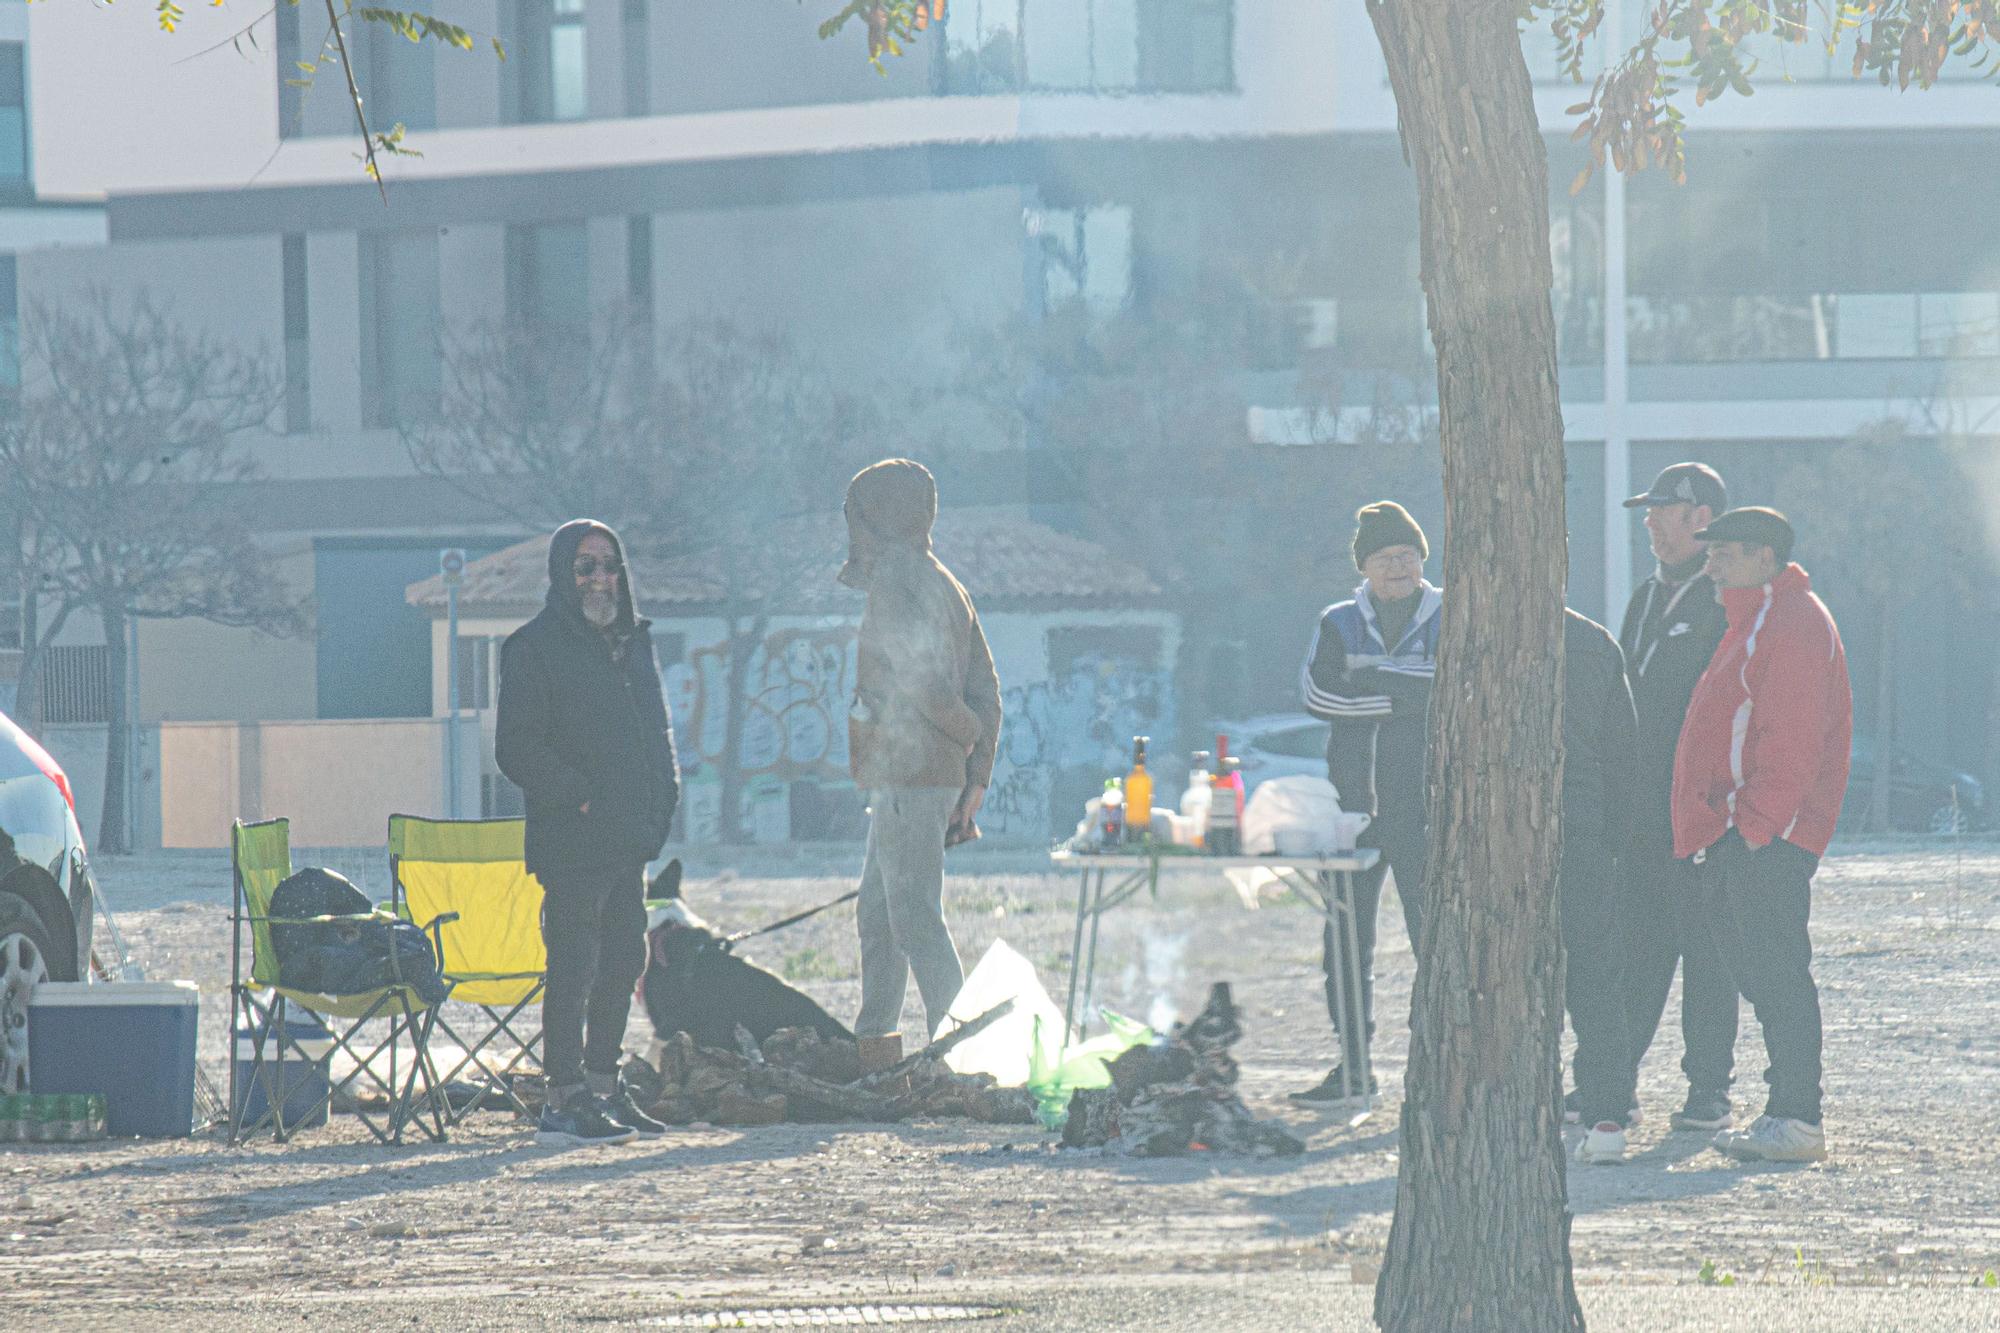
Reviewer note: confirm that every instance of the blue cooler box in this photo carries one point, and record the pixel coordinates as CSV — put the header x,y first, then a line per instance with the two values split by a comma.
x,y
133,1041
301,1084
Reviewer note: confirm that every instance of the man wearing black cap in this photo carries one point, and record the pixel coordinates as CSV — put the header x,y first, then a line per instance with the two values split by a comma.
x,y
1369,674
1671,628
1758,780
583,731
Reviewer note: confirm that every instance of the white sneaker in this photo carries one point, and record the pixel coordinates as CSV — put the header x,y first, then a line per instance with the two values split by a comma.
x,y
1772,1138
1573,1112
1604,1145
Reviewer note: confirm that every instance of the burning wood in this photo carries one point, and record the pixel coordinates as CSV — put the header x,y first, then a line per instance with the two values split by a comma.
x,y
1177,1096
798,1075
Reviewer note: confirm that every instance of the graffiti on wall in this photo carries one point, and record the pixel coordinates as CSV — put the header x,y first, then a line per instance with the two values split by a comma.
x,y
1063,736
797,686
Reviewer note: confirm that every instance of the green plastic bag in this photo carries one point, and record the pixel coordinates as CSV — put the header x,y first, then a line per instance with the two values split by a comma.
x,y
1055,1071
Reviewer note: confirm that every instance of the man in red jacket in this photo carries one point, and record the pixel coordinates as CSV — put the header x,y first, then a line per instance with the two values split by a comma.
x,y
1758,779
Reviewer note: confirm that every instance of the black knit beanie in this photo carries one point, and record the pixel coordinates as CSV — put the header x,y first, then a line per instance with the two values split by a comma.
x,y
1386,523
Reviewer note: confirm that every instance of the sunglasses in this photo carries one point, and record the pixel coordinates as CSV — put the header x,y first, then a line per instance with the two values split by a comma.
x,y
591,566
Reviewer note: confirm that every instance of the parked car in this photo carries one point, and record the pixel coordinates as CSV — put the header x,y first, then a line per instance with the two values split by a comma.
x,y
1920,794
45,890
1277,745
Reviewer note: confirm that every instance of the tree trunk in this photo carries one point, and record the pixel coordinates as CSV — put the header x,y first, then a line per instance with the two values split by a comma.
x,y
1480,1239
111,828
1881,782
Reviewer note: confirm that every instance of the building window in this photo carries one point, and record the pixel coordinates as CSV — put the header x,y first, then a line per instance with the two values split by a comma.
x,y
401,80
639,266
638,44
291,79
548,273
13,115
477,658
76,684
10,324
549,58
12,586
399,303
1085,253
298,345
1147,46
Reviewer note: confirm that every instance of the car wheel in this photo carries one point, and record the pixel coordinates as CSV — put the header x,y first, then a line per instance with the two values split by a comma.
x,y
24,963
1950,819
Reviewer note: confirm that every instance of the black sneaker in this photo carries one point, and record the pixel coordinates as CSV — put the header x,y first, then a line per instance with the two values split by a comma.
x,y
1706,1108
1337,1086
620,1109
579,1123
1573,1111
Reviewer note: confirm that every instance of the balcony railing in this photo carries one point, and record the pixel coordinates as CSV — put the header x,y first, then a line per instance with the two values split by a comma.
x,y
1794,326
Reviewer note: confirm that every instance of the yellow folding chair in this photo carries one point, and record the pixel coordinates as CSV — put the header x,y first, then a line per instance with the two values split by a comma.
x,y
261,857
471,871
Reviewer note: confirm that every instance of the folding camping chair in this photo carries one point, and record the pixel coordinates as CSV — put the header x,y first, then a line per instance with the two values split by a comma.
x,y
471,871
262,859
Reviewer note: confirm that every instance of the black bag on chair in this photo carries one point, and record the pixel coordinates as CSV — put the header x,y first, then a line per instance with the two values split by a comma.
x,y
347,957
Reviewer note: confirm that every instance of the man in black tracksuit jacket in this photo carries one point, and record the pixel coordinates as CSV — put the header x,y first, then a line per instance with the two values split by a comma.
x,y
1598,734
583,731
1369,674
1671,630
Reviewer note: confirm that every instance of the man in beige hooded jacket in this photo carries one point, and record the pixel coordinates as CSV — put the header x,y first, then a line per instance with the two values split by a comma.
x,y
921,737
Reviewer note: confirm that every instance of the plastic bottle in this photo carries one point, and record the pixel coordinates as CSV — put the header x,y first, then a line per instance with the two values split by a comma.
x,y
1223,826
1198,797
1138,796
1231,769
1113,813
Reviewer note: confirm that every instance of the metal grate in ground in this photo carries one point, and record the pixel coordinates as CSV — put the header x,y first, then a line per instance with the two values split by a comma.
x,y
830,1316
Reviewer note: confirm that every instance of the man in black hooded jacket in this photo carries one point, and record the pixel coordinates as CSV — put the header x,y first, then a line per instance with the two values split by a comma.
x,y
583,731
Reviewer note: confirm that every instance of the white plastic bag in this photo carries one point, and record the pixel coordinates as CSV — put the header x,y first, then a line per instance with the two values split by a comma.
x,y
1298,816
1004,1049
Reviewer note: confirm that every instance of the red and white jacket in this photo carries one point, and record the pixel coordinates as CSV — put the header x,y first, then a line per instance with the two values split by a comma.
x,y
1764,749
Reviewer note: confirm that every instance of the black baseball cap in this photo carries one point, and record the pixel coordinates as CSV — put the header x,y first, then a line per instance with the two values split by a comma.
x,y
1685,483
1754,525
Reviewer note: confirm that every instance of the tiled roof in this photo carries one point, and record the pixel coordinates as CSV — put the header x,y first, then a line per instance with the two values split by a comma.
x,y
1000,559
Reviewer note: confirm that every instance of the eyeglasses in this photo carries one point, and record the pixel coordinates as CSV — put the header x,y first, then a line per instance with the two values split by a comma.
x,y
591,566
1389,558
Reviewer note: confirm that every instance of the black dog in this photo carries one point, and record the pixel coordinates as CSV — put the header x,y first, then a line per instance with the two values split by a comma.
x,y
694,984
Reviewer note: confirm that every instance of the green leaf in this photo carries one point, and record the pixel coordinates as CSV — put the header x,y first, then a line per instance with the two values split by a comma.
x,y
1991,1281
499,50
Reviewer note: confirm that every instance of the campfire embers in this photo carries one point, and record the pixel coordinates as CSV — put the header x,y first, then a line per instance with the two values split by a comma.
x,y
797,1075
1177,1096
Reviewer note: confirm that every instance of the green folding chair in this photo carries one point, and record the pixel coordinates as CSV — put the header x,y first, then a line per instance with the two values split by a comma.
x,y
470,873
262,859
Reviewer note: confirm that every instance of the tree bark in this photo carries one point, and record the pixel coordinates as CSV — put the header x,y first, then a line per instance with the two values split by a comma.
x,y
1881,781
111,827
1480,1239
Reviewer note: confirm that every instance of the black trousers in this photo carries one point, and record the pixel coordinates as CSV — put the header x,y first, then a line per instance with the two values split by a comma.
x,y
1666,928
1403,847
1759,906
594,924
1594,981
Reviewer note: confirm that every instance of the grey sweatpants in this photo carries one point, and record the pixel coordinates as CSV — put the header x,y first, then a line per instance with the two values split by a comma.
x,y
901,911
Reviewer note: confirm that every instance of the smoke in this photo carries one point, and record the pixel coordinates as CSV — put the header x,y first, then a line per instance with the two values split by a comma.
x,y
1163,962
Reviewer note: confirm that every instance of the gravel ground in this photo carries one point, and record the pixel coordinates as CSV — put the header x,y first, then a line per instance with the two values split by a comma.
x,y
488,1228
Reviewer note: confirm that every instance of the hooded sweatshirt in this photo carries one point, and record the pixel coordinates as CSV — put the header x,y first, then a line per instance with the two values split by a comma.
x,y
1764,750
582,719
926,709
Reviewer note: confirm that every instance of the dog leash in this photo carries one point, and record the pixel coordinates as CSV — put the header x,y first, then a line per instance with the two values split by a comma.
x,y
731,941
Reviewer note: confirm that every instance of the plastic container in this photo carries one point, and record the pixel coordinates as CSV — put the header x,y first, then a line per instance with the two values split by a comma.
x,y
132,1042
301,1084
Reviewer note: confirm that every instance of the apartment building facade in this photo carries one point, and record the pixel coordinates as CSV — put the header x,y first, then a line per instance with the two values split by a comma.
x,y
1826,264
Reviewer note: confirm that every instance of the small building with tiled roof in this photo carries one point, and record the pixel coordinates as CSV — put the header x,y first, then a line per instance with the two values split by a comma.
x,y
1082,640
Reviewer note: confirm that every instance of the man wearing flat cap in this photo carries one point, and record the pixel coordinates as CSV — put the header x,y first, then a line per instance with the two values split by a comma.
x,y
1758,780
1369,674
1671,629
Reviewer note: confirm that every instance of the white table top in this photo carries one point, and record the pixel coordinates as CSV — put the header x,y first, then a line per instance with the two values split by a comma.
x,y
1361,858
